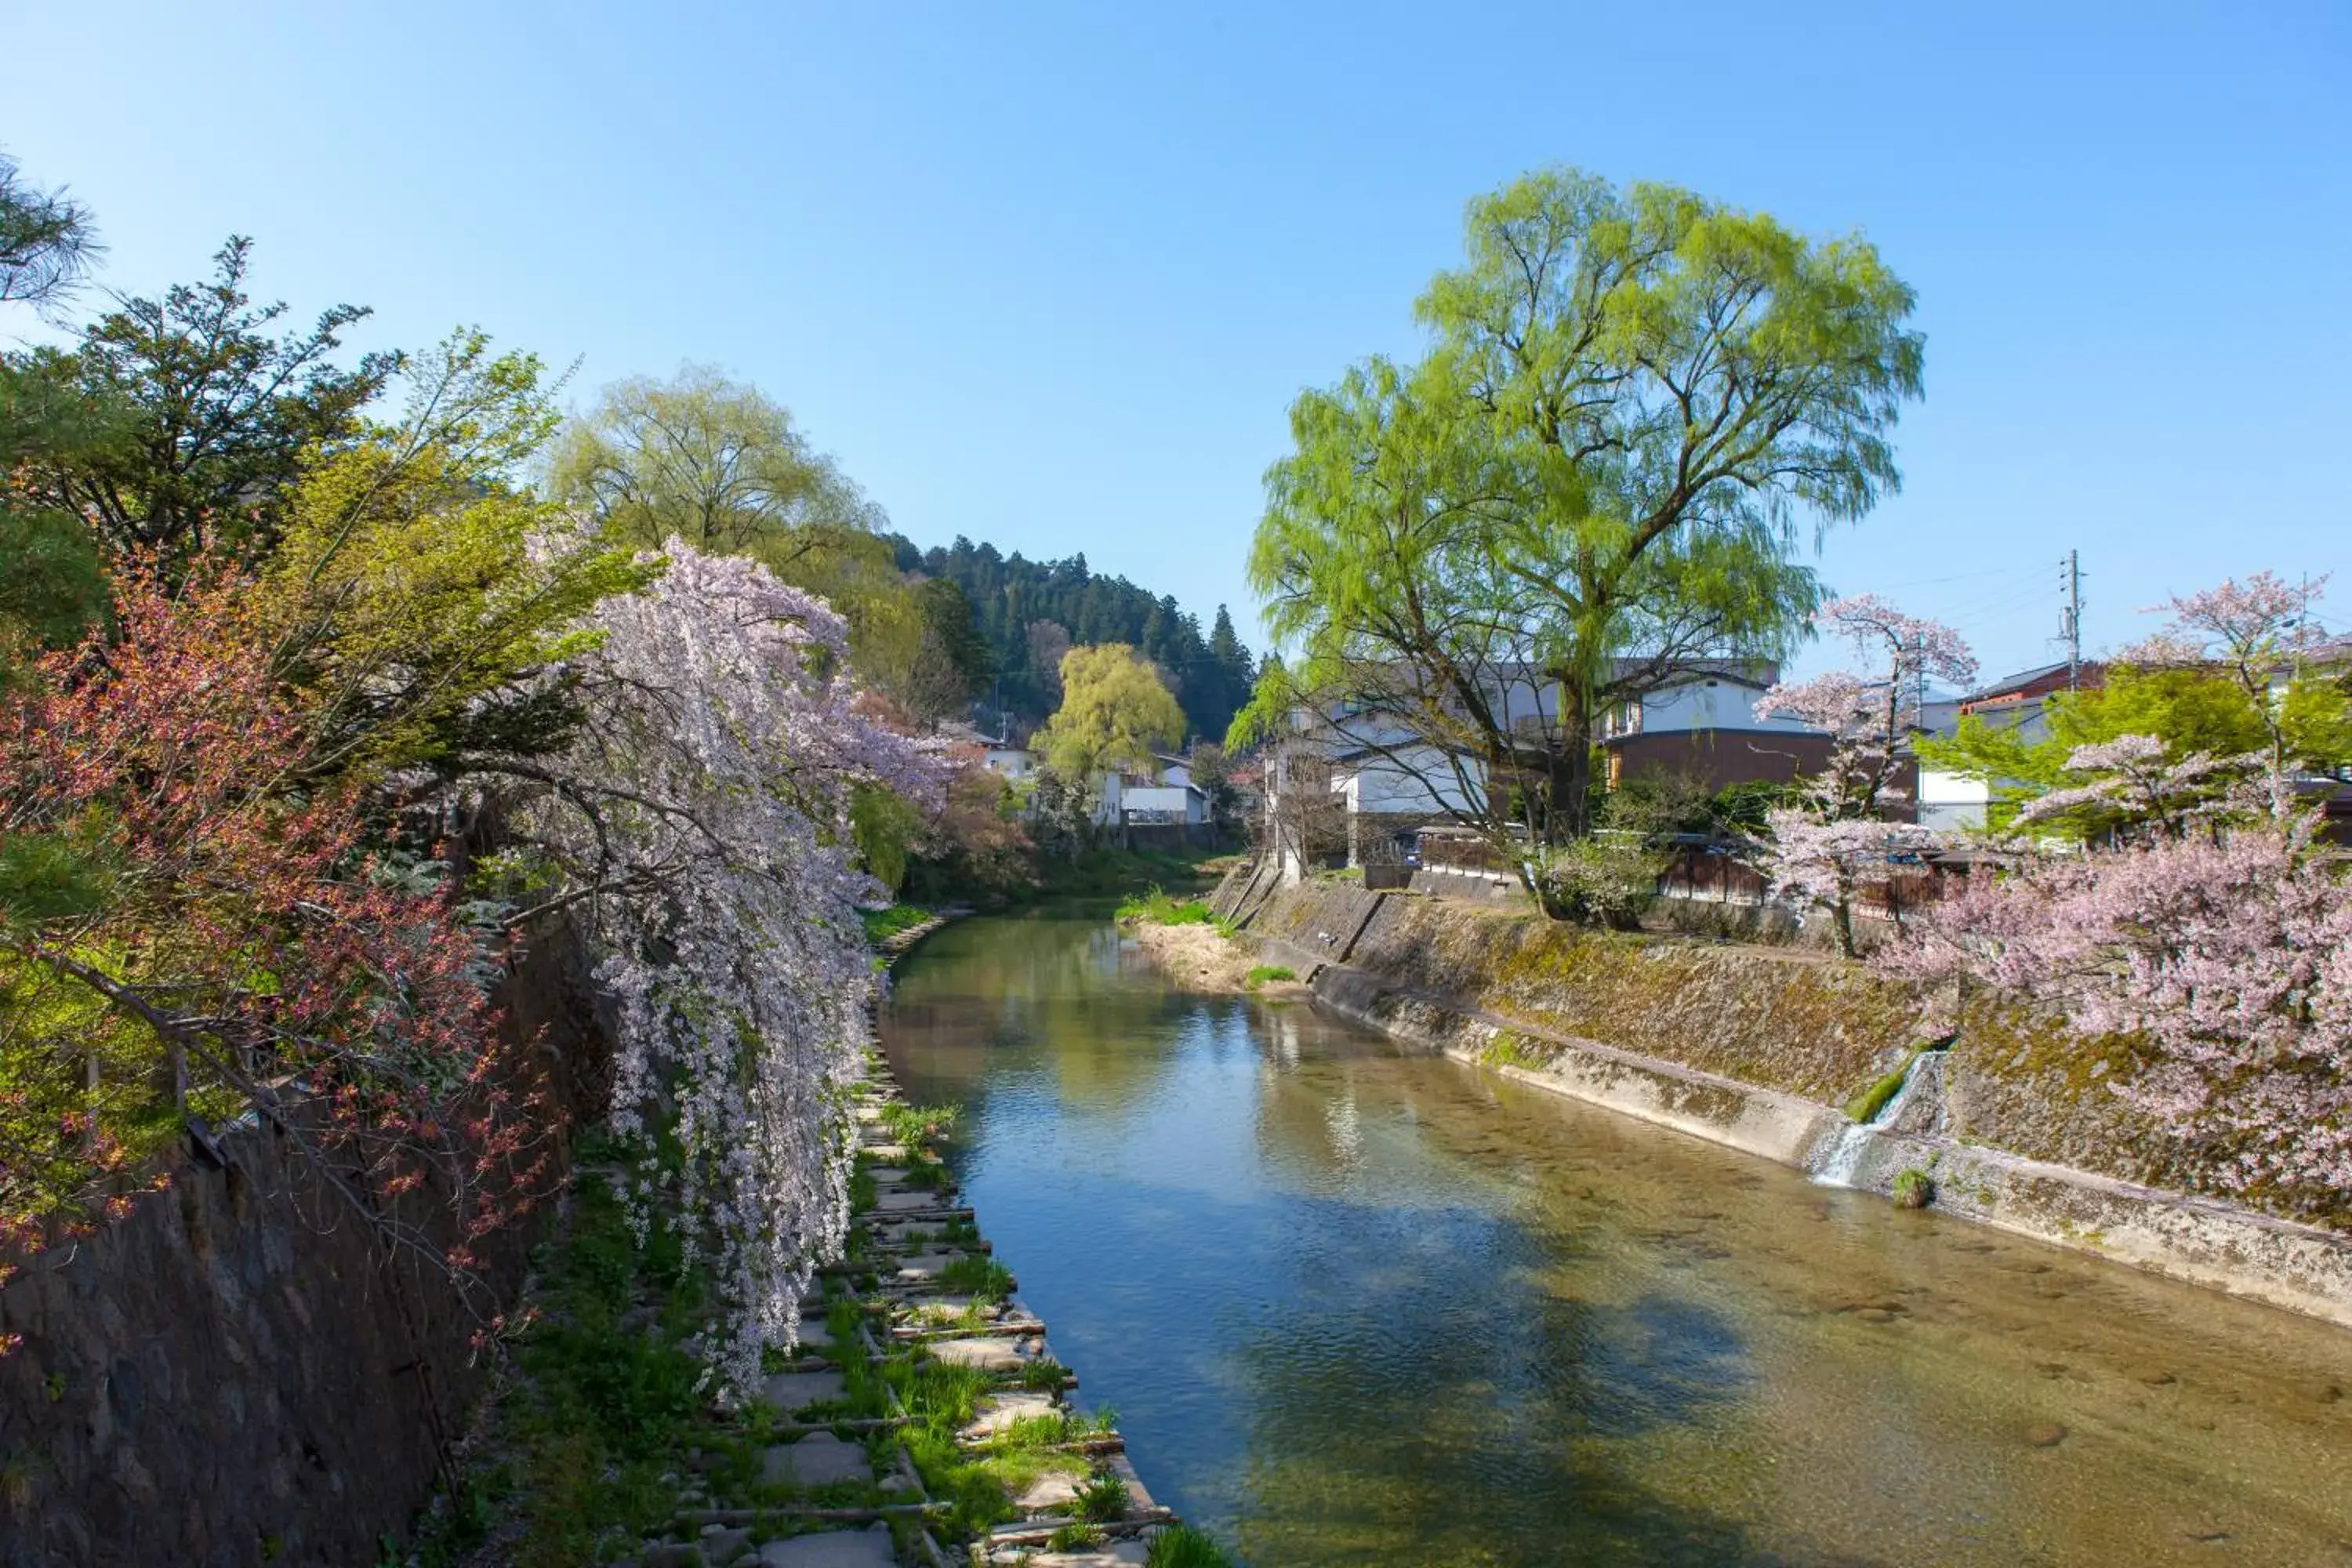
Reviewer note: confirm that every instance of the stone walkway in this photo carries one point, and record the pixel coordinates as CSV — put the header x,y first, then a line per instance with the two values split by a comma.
x,y
916,1338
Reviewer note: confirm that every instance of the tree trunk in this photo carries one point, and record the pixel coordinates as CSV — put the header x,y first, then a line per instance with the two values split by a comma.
x,y
1570,785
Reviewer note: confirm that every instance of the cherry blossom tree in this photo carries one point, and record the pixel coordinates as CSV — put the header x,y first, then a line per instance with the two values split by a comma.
x,y
1837,839
702,824
2131,785
2212,925
2226,953
2242,630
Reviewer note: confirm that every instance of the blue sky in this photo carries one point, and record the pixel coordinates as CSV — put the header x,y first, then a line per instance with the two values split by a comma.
x,y
1050,276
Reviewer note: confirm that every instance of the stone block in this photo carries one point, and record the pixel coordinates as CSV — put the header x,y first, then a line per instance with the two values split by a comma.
x,y
991,1353
723,1543
819,1459
998,1412
868,1548
794,1390
1050,1490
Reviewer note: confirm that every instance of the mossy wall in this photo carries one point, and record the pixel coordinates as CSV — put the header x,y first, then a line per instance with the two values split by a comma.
x,y
1798,1022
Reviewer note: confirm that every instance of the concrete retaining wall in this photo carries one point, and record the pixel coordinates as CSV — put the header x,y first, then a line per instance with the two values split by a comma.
x,y
1758,1050
233,1374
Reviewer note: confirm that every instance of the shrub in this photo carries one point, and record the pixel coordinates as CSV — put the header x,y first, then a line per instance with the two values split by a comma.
x,y
1603,882
1261,973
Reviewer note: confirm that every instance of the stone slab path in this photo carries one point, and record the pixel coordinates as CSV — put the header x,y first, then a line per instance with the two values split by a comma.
x,y
833,1485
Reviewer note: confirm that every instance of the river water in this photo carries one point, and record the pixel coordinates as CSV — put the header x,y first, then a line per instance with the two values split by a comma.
x,y
1356,1305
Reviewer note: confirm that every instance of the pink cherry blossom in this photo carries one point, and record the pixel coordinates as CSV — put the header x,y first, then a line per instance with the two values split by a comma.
x,y
1836,839
2227,953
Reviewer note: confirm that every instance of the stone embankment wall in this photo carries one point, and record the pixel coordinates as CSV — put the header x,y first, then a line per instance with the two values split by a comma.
x,y
2017,1122
234,1374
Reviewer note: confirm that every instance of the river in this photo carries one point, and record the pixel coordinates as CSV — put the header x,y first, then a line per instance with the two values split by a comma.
x,y
1357,1305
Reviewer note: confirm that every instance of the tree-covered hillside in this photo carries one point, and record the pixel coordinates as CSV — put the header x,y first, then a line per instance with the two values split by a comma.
x,y
1032,612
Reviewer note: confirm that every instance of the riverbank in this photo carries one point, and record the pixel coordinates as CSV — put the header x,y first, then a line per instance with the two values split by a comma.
x,y
1202,958
2012,1126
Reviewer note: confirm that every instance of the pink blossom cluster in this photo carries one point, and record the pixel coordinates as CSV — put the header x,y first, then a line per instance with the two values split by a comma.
x,y
1825,862
2129,781
723,745
2227,953
1836,840
1914,645
2231,622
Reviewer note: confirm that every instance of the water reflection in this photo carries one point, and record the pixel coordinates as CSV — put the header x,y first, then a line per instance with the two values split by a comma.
x,y
1357,1307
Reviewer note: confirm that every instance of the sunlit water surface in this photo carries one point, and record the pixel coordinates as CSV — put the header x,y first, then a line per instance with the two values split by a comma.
x,y
1355,1305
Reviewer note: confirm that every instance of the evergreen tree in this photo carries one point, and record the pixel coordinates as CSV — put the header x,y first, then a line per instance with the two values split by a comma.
x,y
1009,595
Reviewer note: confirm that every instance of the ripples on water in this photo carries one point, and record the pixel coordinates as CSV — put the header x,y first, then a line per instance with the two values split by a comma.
x,y
1356,1305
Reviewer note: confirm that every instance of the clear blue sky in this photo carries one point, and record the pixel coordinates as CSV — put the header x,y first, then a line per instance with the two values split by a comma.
x,y
1050,276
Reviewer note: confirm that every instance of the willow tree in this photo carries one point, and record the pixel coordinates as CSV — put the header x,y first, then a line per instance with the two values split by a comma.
x,y
1116,713
1633,403
723,466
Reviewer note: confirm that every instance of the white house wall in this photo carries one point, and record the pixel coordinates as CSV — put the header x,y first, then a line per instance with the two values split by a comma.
x,y
1181,804
1949,802
1698,705
1421,781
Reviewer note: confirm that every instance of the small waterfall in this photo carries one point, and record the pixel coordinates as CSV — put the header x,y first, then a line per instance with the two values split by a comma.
x,y
1835,1163
1838,1161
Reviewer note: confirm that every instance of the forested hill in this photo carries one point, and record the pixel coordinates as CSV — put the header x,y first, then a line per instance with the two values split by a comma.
x,y
1031,611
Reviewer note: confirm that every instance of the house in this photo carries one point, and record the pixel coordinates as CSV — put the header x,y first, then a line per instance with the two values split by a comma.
x,y
1951,802
1013,761
1384,780
1172,798
1392,790
2018,701
1701,722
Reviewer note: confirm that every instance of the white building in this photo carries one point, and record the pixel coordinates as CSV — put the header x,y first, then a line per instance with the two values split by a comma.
x,y
1951,802
1411,779
1706,698
1013,761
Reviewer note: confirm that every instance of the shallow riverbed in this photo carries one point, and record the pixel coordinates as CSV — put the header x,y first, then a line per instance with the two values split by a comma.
x,y
1360,1306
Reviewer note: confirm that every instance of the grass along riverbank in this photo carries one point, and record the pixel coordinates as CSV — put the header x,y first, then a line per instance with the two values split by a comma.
x,y
1200,950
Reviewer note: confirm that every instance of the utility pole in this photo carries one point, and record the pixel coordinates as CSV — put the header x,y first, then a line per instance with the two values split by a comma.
x,y
2070,619
1919,680
2302,624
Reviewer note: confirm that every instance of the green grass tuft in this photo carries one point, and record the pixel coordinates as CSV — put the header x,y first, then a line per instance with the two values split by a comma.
x,y
1160,909
1182,1546
1261,973
985,1280
1045,1373
1102,1498
883,924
